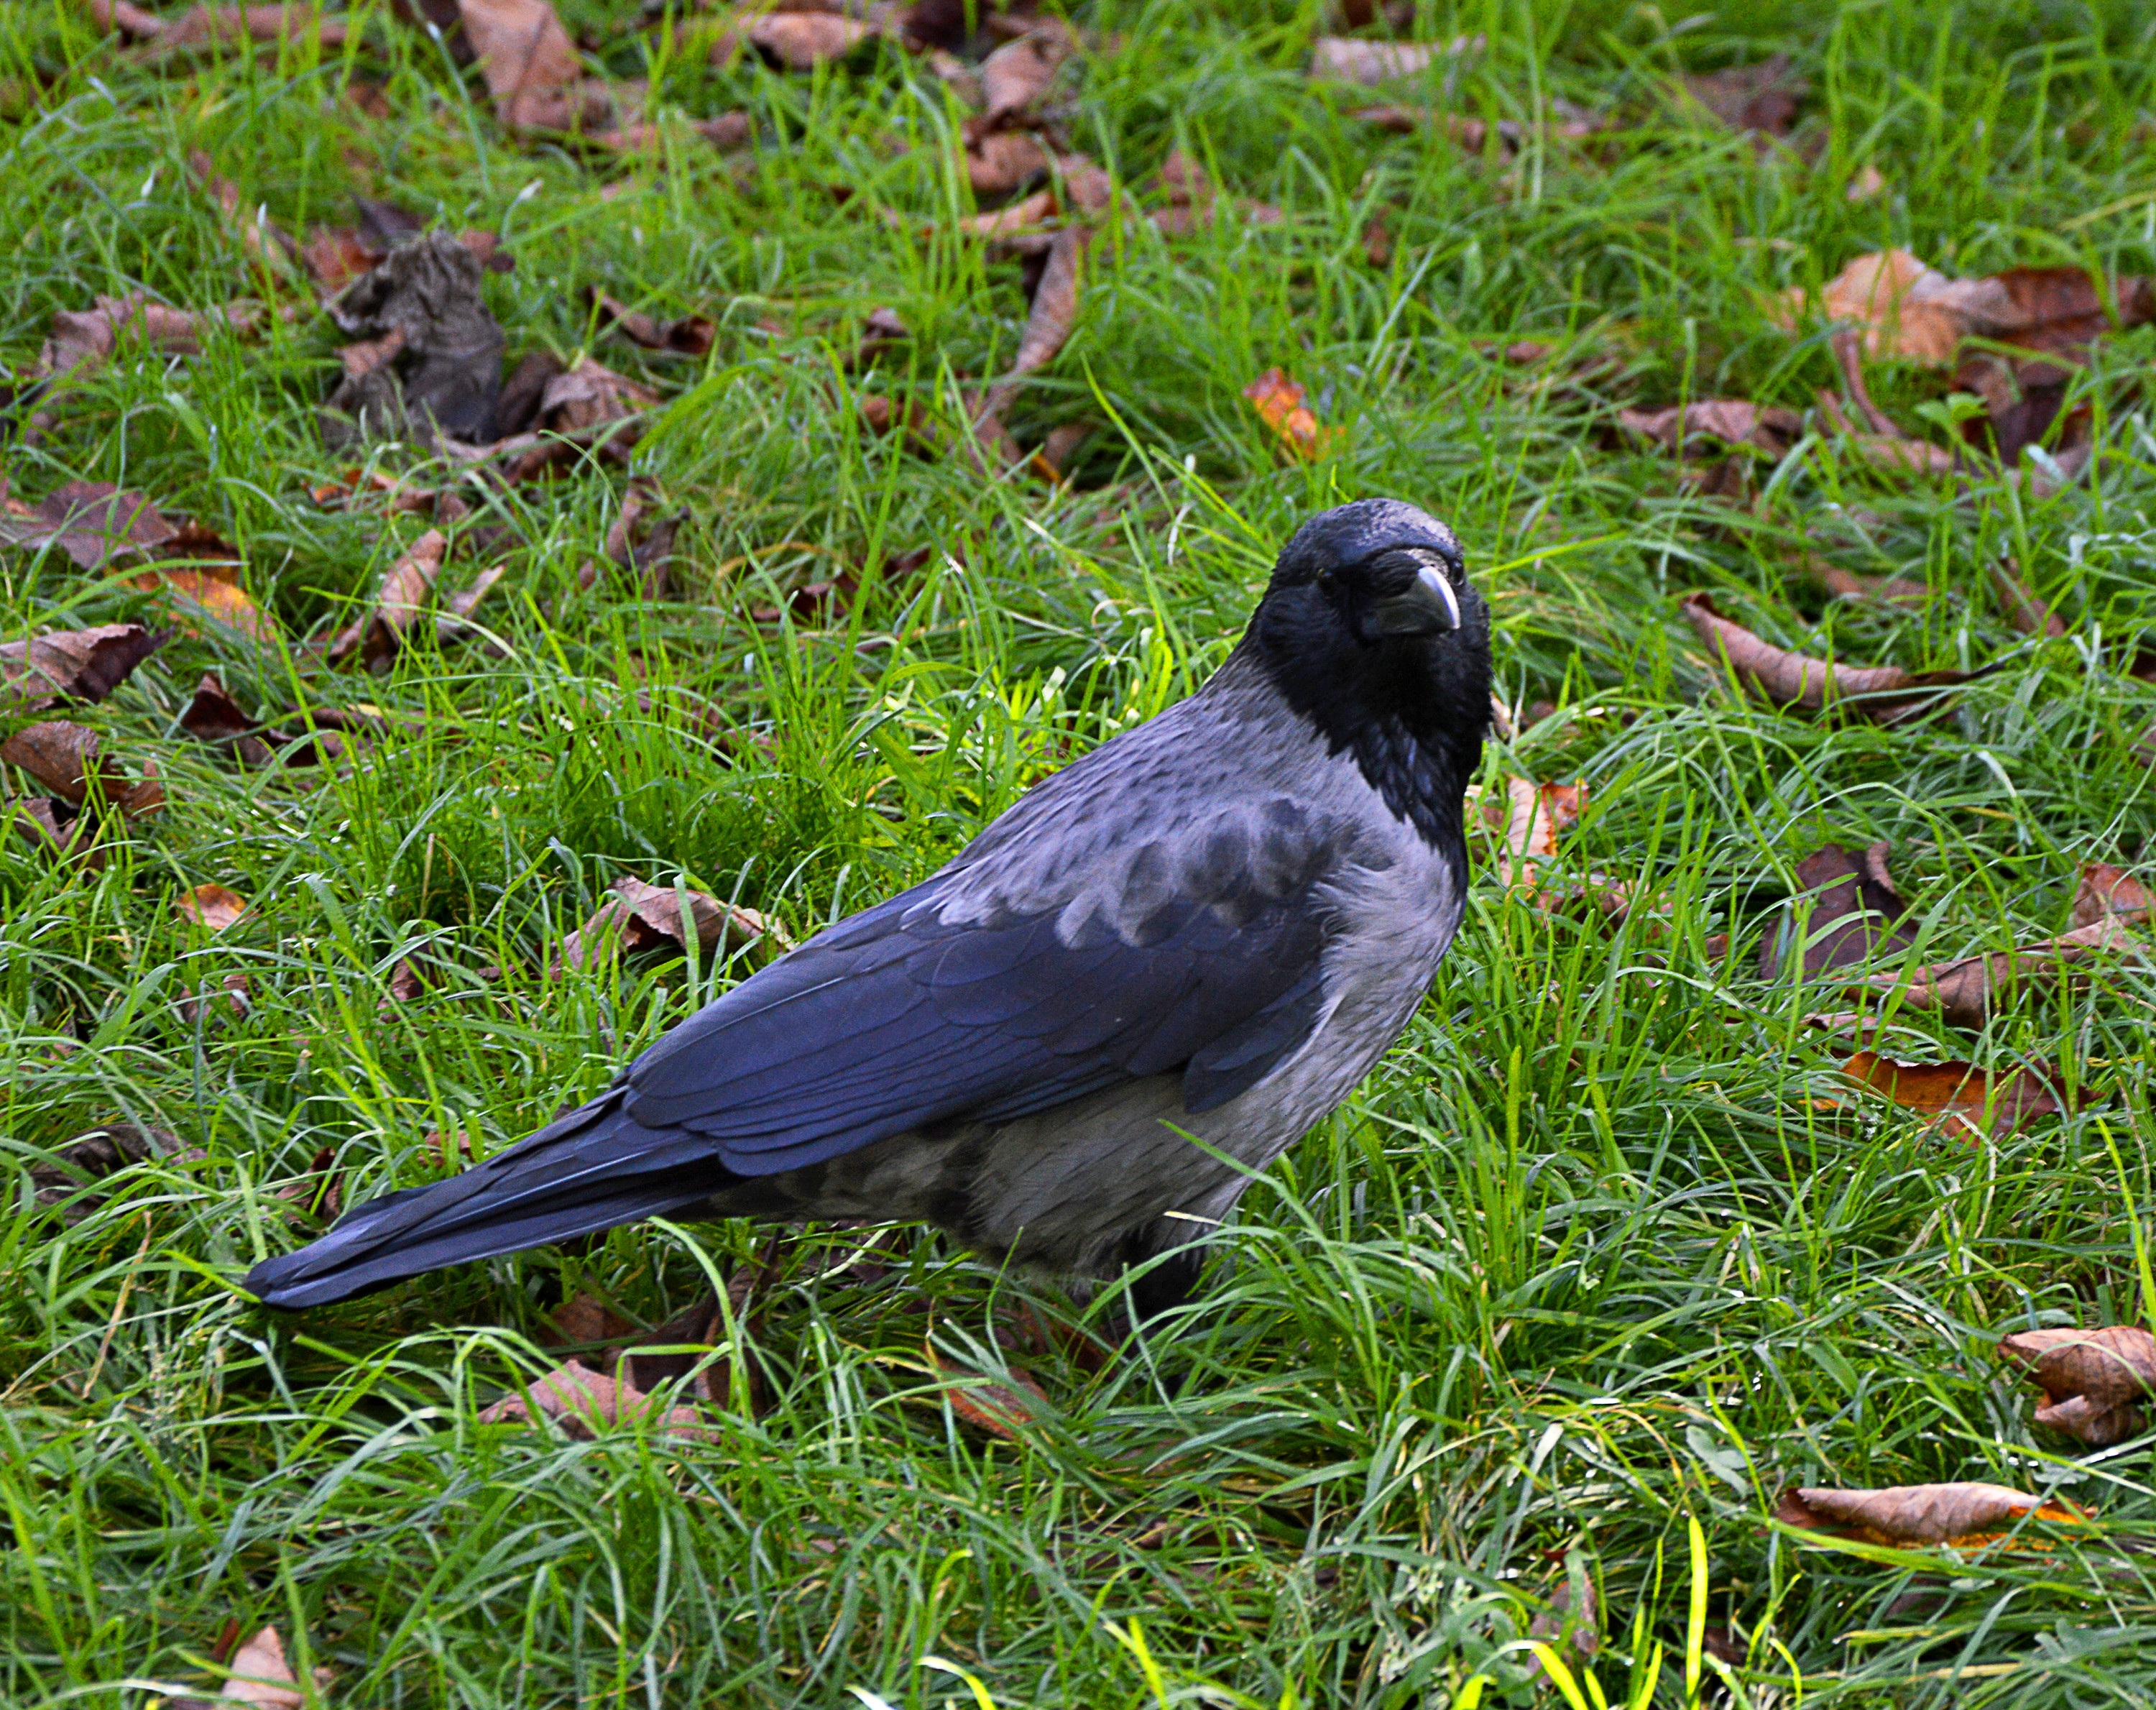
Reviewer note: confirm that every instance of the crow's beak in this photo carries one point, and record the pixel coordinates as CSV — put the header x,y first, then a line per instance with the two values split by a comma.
x,y
1425,606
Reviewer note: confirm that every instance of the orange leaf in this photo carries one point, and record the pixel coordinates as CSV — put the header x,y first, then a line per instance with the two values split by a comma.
x,y
211,906
1279,403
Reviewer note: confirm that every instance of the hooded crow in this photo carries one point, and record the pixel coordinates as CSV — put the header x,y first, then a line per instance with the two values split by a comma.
x,y
1208,929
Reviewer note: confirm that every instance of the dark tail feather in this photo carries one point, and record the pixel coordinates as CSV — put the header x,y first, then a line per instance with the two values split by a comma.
x,y
592,1170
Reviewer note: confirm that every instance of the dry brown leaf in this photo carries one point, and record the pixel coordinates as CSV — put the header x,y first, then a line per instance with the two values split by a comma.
x,y
211,905
236,991
2105,890
102,1151
260,1675
319,1193
89,521
1018,73
585,1319
1352,59
531,67
799,41
376,638
55,829
1533,815
1920,1514
1003,163
1049,325
1846,584
82,340
204,24
1884,694
1279,403
691,335
997,1409
1913,313
2024,610
2094,1381
255,232
83,666
1965,991
1761,98
647,917
580,1400
1847,913
1730,421
214,717
1976,1101
61,756
453,622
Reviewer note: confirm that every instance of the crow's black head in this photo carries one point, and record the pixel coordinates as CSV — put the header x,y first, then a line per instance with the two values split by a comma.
x,y
1371,630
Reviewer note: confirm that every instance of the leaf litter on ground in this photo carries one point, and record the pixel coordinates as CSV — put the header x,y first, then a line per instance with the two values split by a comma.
x,y
2095,1382
1961,1516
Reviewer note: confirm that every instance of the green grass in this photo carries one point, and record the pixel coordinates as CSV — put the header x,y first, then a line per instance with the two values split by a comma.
x,y
1585,1262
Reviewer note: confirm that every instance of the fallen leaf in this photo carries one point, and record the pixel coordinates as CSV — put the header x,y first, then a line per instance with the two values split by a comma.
x,y
209,594
585,1319
89,521
2093,1380
1473,135
1979,1101
2108,890
1729,421
1847,912
1761,98
1003,163
377,637
428,359
1911,312
1352,59
204,24
211,715
997,1409
587,409
1846,584
1279,403
641,540
54,828
83,340
273,251
1533,814
61,756
83,666
453,623
1048,326
1884,694
319,1191
580,1400
236,989
532,70
799,41
691,335
90,1157
260,1675
1017,74
1867,184
1966,992
1060,450
649,917
2024,610
211,905
1920,1514
1191,198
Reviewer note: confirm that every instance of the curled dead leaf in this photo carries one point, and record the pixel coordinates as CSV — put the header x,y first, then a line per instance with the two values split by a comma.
x,y
1967,991
2094,1381
691,336
647,918
1355,59
89,521
376,639
2105,890
1727,421
1885,694
83,666
1920,1514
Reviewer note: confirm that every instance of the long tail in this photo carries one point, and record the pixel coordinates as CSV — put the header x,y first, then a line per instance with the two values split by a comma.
x,y
591,1169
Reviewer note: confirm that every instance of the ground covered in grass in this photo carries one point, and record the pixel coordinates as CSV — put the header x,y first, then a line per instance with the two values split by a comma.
x,y
1612,1252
